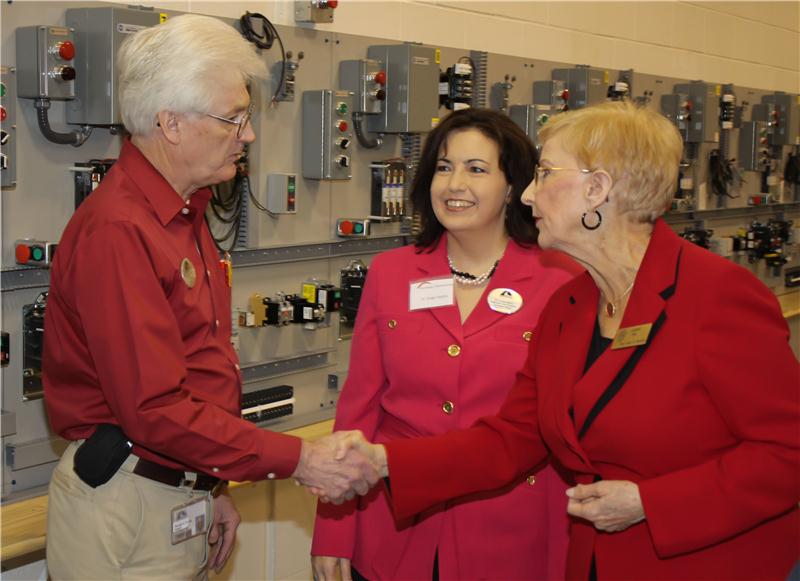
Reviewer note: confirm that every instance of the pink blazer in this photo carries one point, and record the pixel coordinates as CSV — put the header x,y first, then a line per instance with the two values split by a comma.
x,y
424,373
704,416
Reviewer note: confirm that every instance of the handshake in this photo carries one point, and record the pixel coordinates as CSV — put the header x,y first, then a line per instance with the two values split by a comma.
x,y
337,467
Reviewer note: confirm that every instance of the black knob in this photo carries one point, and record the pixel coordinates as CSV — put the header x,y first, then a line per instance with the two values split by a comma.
x,y
67,73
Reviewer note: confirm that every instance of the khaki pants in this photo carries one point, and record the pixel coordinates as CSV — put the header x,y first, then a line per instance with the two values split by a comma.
x,y
120,530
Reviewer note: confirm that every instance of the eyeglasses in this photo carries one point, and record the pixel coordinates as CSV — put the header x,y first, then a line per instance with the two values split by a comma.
x,y
543,172
242,121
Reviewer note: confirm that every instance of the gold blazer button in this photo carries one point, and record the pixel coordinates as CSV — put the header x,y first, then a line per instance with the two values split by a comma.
x,y
531,479
391,324
454,350
447,407
527,336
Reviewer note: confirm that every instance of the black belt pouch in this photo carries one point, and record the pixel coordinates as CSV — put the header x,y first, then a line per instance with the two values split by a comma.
x,y
101,455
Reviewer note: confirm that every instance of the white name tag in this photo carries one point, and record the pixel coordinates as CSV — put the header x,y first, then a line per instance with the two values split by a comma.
x,y
431,293
189,520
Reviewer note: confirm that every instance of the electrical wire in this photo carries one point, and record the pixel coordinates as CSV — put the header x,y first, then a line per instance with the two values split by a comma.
x,y
722,174
227,209
264,40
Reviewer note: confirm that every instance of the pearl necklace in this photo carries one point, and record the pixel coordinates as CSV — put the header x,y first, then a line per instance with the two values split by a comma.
x,y
468,279
611,306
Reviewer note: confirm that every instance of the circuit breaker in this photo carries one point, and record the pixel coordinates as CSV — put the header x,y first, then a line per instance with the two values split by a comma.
x,y
388,189
8,127
530,118
412,89
365,78
326,134
585,85
694,108
784,124
46,62
99,32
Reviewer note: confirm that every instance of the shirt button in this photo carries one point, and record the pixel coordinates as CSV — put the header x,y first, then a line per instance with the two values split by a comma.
x,y
454,350
237,366
531,479
271,476
527,336
216,322
208,272
184,211
447,407
215,469
391,324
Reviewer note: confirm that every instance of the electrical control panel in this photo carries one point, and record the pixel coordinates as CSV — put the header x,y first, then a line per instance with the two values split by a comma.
x,y
46,62
694,108
753,146
326,134
552,93
316,11
784,118
8,127
585,85
365,78
282,193
530,118
412,89
99,32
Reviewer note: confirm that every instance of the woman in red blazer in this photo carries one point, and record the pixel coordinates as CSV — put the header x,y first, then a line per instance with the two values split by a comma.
x,y
426,362
662,380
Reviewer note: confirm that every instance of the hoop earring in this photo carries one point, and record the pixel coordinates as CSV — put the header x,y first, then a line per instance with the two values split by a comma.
x,y
596,226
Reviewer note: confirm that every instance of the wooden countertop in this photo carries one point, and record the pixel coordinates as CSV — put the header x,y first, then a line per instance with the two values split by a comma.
x,y
24,523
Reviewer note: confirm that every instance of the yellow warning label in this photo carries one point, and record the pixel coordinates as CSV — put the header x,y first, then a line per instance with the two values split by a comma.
x,y
438,55
605,77
162,17
309,292
718,90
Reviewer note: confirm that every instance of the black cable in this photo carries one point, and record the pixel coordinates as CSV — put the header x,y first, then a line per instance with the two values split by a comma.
x,y
721,173
264,40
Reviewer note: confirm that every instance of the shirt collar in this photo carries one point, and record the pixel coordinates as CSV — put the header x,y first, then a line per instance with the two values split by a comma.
x,y
166,202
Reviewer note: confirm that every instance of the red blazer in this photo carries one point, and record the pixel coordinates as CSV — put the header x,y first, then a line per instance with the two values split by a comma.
x,y
705,417
400,377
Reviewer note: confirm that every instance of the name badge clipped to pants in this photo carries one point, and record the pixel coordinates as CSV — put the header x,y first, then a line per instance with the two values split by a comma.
x,y
190,520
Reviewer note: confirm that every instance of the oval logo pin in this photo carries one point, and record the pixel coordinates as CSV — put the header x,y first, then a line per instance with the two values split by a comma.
x,y
505,300
188,273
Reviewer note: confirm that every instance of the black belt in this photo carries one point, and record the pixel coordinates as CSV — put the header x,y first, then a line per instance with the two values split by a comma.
x,y
175,477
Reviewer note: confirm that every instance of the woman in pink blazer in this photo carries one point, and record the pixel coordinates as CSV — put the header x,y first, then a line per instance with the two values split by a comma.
x,y
662,380
442,328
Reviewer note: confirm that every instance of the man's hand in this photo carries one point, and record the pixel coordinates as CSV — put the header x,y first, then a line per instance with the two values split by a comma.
x,y
223,531
611,505
325,568
335,477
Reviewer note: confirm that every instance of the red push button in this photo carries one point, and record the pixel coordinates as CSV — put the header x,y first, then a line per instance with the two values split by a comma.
x,y
3,114
22,253
66,50
342,126
380,77
346,227
332,4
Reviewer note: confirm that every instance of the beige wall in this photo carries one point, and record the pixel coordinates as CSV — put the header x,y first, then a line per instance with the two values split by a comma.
x,y
755,44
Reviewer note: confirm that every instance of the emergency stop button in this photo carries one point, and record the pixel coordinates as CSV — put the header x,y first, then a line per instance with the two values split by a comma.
x,y
66,50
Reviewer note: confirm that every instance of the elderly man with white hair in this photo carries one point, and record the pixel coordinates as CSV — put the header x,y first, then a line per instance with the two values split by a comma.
x,y
139,371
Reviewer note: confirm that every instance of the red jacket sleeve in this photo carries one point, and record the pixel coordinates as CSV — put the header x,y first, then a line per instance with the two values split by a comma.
x,y
752,376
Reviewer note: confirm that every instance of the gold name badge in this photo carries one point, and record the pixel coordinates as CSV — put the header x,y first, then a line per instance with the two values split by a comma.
x,y
631,336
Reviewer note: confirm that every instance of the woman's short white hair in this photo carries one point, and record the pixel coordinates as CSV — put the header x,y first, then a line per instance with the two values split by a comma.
x,y
178,66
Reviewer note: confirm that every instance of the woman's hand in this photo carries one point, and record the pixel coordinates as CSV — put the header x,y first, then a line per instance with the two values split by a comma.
x,y
611,505
325,568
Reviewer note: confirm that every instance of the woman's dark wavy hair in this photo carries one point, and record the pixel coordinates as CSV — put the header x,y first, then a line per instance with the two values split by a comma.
x,y
518,159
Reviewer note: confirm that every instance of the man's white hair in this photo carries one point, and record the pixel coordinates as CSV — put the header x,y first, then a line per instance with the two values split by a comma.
x,y
178,66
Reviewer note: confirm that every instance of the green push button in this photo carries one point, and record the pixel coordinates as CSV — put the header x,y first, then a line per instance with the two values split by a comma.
x,y
2,90
341,108
358,228
37,253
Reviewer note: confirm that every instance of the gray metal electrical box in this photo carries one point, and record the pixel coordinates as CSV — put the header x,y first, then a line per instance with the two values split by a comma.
x,y
412,89
46,62
363,79
586,86
550,93
326,134
785,121
8,127
99,32
753,145
530,118
702,106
